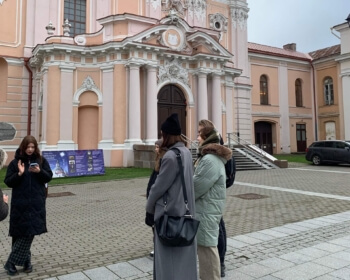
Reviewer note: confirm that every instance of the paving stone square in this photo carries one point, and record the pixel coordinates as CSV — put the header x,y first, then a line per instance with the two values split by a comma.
x,y
99,232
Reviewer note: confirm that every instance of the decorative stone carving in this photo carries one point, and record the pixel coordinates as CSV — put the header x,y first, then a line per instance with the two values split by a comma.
x,y
174,7
36,61
50,29
155,3
89,83
173,38
80,40
66,28
197,8
218,22
239,16
172,71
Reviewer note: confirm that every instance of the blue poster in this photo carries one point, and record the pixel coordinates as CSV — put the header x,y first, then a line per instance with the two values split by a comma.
x,y
75,163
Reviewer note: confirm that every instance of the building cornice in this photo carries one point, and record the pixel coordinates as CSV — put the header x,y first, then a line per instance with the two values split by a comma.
x,y
278,58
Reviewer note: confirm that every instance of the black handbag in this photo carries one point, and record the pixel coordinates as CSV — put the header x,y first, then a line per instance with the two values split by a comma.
x,y
177,231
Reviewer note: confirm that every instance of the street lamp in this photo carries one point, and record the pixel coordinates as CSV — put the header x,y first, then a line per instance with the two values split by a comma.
x,y
348,19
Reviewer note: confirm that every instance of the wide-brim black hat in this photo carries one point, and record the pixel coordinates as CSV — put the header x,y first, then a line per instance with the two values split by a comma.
x,y
172,125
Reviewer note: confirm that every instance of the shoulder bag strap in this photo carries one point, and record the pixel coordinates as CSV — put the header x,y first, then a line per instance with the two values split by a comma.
x,y
179,161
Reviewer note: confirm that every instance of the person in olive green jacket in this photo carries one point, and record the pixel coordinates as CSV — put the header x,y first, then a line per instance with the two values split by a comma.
x,y
210,195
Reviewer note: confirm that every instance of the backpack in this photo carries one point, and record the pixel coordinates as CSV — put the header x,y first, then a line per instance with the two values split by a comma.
x,y
230,168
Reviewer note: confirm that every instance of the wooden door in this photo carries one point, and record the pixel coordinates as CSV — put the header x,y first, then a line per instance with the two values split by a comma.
x,y
171,100
301,137
263,136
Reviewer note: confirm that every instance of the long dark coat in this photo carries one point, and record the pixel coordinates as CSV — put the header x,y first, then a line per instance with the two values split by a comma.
x,y
172,263
28,212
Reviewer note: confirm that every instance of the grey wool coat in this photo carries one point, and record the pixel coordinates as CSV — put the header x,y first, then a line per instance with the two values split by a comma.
x,y
173,263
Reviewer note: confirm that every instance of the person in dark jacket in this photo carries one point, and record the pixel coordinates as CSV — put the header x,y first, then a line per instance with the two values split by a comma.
x,y
159,154
4,207
222,241
27,175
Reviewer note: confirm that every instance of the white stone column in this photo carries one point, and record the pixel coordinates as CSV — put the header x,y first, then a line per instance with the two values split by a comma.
x,y
229,107
134,105
202,97
107,109
66,109
346,102
151,105
43,141
284,108
216,102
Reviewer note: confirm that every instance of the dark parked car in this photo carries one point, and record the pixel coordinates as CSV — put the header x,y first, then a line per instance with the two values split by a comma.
x,y
331,151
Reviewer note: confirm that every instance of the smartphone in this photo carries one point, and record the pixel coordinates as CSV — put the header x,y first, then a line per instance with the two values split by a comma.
x,y
33,164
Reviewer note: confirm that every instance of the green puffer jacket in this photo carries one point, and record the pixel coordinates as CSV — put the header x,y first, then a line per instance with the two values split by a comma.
x,y
210,192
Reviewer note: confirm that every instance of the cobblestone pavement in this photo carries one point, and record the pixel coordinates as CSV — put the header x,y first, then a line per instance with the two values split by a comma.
x,y
299,228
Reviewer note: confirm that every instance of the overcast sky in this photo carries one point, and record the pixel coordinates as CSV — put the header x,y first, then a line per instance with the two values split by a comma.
x,y
304,22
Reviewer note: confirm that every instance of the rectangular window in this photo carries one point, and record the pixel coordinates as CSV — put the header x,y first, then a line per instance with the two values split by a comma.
x,y
328,93
75,12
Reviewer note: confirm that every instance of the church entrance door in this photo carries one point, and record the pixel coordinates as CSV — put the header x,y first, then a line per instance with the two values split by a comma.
x,y
171,100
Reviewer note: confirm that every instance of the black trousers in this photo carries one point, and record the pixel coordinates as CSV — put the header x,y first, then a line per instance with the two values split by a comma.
x,y
222,242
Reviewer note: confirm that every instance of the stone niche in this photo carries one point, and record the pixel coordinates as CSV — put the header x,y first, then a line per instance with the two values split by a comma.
x,y
144,156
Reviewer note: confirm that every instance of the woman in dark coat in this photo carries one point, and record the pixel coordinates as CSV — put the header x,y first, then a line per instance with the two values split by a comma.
x,y
173,263
4,207
27,175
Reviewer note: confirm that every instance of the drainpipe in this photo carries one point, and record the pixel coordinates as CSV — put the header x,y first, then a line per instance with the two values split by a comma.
x,y
30,96
315,103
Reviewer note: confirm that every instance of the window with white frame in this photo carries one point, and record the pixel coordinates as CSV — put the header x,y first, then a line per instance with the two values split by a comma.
x,y
328,91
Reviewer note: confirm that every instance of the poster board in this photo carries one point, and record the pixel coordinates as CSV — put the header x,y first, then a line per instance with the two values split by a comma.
x,y
74,163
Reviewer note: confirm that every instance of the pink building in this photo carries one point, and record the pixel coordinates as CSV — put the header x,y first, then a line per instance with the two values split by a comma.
x,y
110,74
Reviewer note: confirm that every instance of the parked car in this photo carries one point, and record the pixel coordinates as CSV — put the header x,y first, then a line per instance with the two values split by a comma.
x,y
331,151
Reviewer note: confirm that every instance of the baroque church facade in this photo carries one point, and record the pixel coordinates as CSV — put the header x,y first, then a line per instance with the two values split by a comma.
x,y
88,74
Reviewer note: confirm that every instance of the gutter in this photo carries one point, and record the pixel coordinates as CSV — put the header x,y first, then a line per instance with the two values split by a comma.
x,y
30,96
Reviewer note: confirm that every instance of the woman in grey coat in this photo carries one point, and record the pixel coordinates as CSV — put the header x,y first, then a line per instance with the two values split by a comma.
x,y
172,263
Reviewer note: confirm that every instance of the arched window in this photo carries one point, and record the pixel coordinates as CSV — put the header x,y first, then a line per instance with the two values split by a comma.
x,y
298,93
3,79
75,12
264,94
328,91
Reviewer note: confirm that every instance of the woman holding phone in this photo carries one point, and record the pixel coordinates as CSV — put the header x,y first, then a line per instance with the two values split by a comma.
x,y
26,174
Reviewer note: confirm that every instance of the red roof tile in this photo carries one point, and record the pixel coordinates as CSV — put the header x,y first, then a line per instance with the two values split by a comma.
x,y
257,48
326,52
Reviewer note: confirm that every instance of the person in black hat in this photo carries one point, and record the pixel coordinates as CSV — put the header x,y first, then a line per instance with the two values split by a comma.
x,y
175,263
